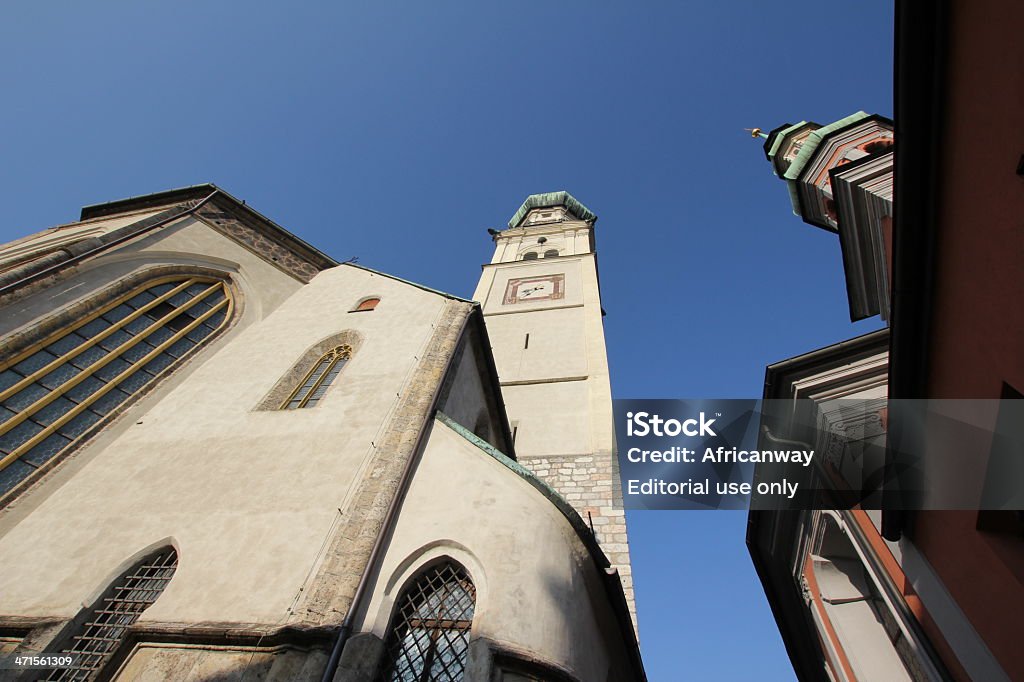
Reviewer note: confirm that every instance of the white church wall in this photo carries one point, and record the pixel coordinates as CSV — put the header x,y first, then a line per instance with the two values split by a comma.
x,y
537,588
542,432
556,347
247,496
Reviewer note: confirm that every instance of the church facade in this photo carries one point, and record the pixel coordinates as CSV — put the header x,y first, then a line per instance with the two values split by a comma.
x,y
224,455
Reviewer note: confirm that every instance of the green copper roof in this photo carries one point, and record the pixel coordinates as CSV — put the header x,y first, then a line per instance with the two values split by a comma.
x,y
813,140
808,150
547,199
774,149
571,515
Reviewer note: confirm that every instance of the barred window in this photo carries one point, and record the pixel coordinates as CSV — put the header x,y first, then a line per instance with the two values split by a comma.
x,y
53,393
428,640
103,626
318,379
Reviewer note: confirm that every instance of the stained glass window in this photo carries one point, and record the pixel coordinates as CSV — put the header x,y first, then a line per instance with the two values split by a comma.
x,y
53,393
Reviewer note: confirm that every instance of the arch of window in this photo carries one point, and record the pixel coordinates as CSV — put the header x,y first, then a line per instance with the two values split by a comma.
x,y
318,379
102,627
428,638
54,392
530,255
551,253
367,304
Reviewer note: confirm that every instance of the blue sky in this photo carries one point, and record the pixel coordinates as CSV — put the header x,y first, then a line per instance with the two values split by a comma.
x,y
399,132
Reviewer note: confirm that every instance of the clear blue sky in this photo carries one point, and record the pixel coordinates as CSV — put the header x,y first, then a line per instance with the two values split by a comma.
x,y
398,132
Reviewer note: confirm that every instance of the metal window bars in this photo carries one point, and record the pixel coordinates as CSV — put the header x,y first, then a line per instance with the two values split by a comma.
x,y
429,636
318,379
106,623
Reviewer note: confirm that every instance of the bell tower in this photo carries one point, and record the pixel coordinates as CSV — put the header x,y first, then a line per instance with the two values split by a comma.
x,y
542,305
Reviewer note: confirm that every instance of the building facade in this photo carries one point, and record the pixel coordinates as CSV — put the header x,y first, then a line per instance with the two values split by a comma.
x,y
226,456
929,231
541,299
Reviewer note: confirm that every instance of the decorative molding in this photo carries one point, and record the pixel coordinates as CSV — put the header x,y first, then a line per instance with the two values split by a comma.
x,y
287,384
258,239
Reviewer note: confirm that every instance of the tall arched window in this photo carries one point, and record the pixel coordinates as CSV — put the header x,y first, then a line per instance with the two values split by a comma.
x,y
318,379
55,391
429,635
102,627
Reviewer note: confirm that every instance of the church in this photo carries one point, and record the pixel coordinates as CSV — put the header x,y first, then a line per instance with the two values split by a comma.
x,y
226,456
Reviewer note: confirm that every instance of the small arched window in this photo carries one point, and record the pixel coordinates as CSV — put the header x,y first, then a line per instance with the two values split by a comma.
x,y
429,634
530,255
366,304
318,379
551,253
102,627
55,392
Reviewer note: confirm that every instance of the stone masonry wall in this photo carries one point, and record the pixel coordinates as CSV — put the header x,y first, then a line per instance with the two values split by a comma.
x,y
587,483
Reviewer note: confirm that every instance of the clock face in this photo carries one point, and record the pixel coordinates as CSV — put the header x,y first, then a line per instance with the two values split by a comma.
x,y
542,288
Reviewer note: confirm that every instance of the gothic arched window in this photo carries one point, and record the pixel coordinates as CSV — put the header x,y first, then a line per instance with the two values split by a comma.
x,y
428,639
318,379
55,391
102,627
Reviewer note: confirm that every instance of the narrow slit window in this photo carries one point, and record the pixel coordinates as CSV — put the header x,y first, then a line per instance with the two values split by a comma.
x,y
104,625
318,379
52,394
429,635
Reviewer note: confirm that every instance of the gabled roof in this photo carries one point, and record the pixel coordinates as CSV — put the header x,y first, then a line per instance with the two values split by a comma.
x,y
410,283
215,207
548,199
224,200
814,139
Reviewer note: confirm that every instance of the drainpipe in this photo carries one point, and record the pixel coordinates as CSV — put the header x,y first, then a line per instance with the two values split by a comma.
x,y
389,520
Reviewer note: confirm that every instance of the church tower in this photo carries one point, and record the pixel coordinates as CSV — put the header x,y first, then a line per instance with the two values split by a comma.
x,y
542,306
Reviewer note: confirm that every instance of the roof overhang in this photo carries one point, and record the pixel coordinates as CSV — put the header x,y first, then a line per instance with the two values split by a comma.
x,y
549,199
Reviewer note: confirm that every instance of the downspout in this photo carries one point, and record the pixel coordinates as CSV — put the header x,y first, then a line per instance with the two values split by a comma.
x,y
389,519
51,267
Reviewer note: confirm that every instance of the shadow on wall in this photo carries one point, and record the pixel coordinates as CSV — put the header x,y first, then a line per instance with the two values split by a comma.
x,y
289,665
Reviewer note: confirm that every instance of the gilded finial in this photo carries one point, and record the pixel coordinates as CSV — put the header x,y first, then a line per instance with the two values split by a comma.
x,y
756,132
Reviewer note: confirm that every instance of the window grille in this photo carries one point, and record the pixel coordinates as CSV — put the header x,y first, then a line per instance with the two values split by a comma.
x,y
52,393
107,622
318,379
429,636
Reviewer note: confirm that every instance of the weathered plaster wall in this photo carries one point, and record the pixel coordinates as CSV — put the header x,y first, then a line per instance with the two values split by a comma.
x,y
247,496
556,387
537,587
